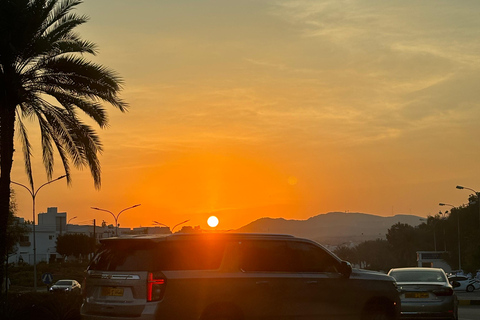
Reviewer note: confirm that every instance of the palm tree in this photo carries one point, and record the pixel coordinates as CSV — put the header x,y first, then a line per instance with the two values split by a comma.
x,y
44,76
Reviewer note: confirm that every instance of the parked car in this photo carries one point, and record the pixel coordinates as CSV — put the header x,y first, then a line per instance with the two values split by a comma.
x,y
463,283
230,276
425,293
66,286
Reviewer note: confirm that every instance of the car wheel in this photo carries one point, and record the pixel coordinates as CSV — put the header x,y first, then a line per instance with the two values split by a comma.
x,y
470,288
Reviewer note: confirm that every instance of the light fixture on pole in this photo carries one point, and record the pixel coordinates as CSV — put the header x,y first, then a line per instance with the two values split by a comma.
x,y
161,224
458,226
179,224
69,222
116,216
478,199
34,193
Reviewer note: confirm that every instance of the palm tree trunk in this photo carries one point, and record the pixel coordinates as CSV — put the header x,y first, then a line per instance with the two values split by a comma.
x,y
7,123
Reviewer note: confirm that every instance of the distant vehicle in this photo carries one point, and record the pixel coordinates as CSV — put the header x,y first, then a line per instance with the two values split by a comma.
x,y
454,273
425,293
230,276
66,286
463,283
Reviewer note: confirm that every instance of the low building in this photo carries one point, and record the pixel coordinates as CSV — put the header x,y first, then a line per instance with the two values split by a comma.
x,y
433,259
50,224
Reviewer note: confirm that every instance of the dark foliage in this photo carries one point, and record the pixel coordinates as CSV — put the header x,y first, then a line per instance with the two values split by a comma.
x,y
77,245
442,232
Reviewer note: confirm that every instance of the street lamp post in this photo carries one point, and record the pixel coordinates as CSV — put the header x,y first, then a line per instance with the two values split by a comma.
x,y
478,199
161,224
458,226
115,216
69,222
444,235
179,224
34,193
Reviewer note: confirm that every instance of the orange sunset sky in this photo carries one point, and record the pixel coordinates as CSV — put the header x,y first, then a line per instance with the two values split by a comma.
x,y
278,108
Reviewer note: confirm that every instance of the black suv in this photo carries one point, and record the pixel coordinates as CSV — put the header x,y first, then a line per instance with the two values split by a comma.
x,y
230,276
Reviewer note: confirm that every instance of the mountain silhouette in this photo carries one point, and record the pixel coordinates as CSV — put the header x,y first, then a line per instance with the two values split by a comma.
x,y
333,228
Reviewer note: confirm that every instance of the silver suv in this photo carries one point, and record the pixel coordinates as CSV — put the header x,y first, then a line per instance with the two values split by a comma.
x,y
230,276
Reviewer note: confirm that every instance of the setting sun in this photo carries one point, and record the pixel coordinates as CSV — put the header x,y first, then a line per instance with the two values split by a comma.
x,y
212,221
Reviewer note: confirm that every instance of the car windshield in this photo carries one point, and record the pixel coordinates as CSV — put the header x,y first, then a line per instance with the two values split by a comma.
x,y
64,283
418,276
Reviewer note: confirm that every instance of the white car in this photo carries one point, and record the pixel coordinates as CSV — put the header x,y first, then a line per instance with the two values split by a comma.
x,y
66,286
425,294
463,283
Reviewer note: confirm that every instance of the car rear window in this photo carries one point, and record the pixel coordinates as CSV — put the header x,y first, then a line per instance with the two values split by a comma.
x,y
418,276
138,255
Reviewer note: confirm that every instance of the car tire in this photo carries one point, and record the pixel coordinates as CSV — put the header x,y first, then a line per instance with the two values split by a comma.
x,y
470,288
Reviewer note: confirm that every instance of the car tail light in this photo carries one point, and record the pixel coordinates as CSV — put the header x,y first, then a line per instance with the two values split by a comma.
x,y
155,286
443,292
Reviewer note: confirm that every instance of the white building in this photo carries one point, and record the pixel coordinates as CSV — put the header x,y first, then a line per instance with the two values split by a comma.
x,y
50,224
432,259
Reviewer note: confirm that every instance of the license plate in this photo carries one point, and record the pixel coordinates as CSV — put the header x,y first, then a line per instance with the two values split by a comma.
x,y
112,291
416,295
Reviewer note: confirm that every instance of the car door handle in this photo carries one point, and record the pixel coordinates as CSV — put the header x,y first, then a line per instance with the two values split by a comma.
x,y
312,282
262,283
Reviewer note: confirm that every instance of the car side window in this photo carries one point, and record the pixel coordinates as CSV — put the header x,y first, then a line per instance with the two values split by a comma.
x,y
285,256
310,258
266,256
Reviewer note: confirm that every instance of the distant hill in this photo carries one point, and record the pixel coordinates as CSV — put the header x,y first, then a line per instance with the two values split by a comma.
x,y
334,228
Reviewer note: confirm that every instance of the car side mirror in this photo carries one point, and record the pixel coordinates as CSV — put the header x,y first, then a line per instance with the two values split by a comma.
x,y
345,269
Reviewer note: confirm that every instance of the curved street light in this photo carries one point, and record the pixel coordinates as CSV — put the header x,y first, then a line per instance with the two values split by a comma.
x,y
161,224
458,226
115,216
179,224
69,222
478,199
34,193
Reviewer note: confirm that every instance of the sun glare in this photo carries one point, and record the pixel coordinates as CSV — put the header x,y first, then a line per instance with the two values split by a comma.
x,y
212,221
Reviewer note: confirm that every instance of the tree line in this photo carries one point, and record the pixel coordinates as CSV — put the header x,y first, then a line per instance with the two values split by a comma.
x,y
448,232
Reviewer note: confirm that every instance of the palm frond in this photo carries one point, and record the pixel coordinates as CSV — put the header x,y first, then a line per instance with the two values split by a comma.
x,y
27,150
79,141
62,29
39,45
57,11
84,78
69,101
